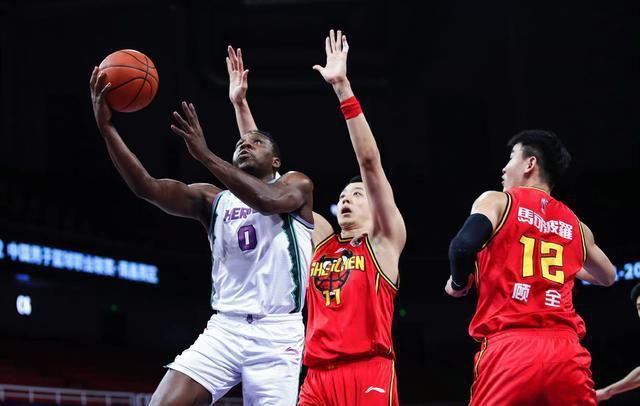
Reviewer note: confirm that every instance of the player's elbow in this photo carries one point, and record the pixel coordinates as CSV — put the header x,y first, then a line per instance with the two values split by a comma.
x,y
145,188
605,276
369,160
142,192
459,248
610,276
366,163
606,282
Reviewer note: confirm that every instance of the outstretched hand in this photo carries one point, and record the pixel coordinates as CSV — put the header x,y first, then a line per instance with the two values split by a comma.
x,y
190,131
238,84
337,48
101,109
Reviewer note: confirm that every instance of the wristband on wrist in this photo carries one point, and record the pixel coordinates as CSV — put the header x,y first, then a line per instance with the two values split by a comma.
x,y
350,108
456,286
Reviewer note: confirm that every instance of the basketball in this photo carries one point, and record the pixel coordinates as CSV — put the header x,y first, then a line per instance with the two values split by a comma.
x,y
133,77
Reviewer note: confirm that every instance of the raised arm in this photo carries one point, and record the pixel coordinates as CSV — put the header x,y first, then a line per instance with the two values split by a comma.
x,y
238,85
321,229
388,223
629,382
292,192
176,198
597,269
486,213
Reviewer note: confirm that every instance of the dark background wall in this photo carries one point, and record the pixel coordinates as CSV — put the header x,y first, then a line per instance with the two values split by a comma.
x,y
444,85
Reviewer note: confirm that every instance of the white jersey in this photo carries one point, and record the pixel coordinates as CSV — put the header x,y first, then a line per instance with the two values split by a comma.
x,y
260,264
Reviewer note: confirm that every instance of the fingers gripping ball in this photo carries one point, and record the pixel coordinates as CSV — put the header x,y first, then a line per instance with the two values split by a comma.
x,y
133,77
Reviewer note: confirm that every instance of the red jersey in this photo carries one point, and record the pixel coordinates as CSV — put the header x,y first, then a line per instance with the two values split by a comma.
x,y
525,273
349,302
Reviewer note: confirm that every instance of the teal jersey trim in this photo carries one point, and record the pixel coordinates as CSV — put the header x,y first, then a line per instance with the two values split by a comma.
x,y
295,270
212,235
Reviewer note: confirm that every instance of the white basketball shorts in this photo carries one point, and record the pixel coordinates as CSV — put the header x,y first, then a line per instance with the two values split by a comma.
x,y
264,352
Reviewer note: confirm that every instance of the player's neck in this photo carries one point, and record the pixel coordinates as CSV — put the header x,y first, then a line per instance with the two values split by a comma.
x,y
352,230
268,177
537,184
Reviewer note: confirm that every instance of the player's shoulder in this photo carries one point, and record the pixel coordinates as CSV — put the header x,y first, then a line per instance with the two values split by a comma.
x,y
492,197
295,174
493,204
296,177
491,194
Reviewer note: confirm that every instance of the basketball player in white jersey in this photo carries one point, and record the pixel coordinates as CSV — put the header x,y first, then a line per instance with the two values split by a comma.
x,y
260,237
238,86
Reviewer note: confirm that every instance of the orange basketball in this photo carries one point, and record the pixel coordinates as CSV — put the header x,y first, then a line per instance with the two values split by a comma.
x,y
133,77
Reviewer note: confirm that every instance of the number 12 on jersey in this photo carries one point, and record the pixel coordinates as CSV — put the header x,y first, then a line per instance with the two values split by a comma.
x,y
551,256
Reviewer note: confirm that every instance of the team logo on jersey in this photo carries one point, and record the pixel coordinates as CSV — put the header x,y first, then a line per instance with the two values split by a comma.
x,y
543,204
356,241
330,274
238,213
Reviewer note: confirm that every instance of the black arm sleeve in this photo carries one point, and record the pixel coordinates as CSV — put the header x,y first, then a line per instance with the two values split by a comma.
x,y
464,246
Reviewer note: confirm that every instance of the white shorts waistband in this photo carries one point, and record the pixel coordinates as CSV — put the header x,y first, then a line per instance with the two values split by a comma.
x,y
259,318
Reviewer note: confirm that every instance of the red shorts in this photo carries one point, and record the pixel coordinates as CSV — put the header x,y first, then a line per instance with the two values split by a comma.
x,y
533,367
370,382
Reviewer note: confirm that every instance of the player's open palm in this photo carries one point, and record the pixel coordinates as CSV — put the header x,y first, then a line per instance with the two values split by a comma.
x,y
337,48
101,109
190,131
238,75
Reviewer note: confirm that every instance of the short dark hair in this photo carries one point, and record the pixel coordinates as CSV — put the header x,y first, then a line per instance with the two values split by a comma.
x,y
354,179
548,149
635,292
267,135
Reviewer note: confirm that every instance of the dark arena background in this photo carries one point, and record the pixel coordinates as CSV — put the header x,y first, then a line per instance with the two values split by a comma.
x,y
99,289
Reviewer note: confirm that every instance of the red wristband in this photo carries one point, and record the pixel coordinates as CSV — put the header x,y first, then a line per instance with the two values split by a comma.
x,y
350,108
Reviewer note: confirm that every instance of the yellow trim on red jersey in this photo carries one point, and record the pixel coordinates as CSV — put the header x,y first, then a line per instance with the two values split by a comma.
x,y
378,268
503,219
323,242
482,350
477,273
584,242
377,282
475,368
534,187
507,210
343,240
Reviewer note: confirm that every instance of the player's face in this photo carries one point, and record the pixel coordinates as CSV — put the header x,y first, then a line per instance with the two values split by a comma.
x,y
513,174
353,205
254,154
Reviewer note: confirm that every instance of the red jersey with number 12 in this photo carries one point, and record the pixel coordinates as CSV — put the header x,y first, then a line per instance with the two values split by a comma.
x,y
525,273
349,302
